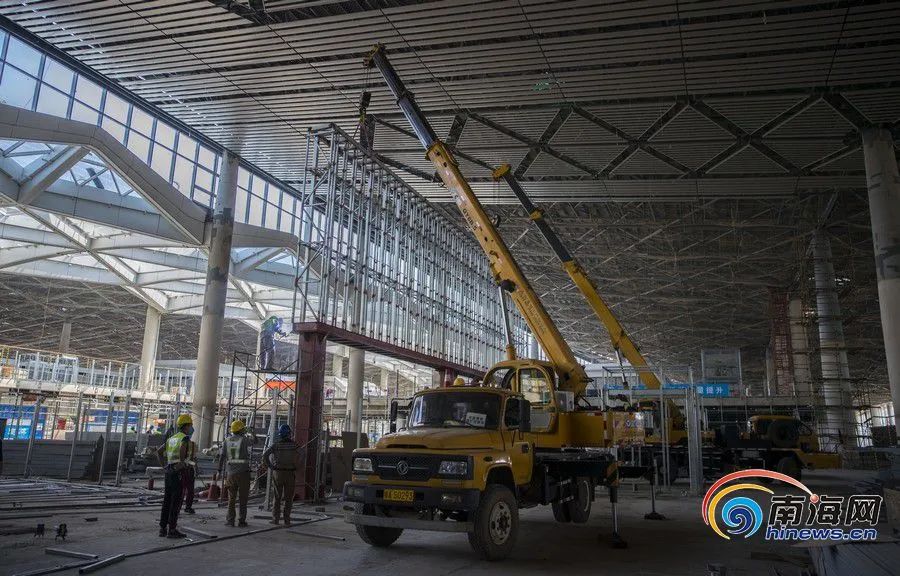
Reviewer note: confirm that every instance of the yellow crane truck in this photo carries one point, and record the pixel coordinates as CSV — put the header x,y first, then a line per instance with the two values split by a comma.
x,y
471,456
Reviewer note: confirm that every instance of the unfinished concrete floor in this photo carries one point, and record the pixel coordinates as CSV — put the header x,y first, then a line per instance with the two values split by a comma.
x,y
680,545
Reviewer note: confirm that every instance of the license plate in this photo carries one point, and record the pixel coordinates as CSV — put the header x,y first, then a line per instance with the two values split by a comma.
x,y
400,495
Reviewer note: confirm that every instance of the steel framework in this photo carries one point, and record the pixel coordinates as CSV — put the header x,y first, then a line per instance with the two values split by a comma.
x,y
382,262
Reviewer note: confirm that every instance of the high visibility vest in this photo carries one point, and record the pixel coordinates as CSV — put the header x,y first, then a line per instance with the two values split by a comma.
x,y
233,450
173,448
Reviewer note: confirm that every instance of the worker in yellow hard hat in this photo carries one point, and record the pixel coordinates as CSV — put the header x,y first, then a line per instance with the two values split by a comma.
x,y
235,458
459,381
173,455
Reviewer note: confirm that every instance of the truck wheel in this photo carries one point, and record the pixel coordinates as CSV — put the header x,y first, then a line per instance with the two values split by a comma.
x,y
560,512
788,466
377,536
579,508
496,523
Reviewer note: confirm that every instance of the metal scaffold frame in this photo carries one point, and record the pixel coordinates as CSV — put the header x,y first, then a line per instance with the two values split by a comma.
x,y
382,262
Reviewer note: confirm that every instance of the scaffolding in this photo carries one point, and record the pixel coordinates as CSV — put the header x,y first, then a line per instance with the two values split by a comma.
x,y
264,400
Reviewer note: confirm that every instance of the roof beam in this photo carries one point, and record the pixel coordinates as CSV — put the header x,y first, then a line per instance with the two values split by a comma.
x,y
654,129
52,166
549,132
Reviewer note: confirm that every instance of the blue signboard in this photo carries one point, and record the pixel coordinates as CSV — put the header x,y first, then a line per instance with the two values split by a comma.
x,y
22,431
708,389
96,420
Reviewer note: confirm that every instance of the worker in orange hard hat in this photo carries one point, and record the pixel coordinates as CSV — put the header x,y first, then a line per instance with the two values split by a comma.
x,y
235,457
173,455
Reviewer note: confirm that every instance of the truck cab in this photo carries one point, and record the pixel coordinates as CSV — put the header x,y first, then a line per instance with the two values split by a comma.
x,y
461,445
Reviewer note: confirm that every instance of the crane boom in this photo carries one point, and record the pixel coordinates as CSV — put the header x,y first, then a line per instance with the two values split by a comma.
x,y
620,339
504,267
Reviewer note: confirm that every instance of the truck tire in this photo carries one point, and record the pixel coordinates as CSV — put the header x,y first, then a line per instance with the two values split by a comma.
x,y
377,536
783,433
560,512
496,523
789,466
580,507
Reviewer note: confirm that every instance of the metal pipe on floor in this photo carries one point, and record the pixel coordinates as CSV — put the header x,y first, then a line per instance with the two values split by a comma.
x,y
74,436
101,564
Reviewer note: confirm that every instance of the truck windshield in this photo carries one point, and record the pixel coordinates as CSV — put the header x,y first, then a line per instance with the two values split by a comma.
x,y
456,409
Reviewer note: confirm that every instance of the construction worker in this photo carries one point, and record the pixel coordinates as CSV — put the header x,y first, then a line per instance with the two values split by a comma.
x,y
236,459
173,455
267,332
190,477
281,459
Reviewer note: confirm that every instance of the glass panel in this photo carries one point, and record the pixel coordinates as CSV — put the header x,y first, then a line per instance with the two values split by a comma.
x,y
114,128
203,179
82,113
165,134
162,161
187,146
243,178
207,158
201,197
23,56
140,145
58,75
240,206
536,389
88,92
286,220
271,216
116,108
255,215
141,121
184,172
52,101
16,88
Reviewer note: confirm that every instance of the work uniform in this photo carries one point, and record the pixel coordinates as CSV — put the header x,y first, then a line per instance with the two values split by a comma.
x,y
281,459
173,492
189,477
237,474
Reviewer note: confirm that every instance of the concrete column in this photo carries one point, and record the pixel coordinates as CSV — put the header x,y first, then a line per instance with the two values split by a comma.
x,y
355,388
209,347
884,208
799,348
64,337
150,346
835,369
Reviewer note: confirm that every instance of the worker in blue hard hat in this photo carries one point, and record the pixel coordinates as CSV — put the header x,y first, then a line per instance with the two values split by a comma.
x,y
281,459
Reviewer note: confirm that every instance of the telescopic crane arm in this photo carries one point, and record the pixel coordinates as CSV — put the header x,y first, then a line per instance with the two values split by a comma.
x,y
504,268
620,339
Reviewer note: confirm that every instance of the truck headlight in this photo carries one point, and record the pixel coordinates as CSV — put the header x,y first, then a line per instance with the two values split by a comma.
x,y
453,468
362,464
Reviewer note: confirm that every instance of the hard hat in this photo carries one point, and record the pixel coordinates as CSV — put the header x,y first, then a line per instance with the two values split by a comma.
x,y
184,419
237,426
459,381
284,431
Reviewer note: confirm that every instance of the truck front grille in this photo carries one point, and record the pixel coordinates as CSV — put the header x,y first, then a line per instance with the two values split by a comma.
x,y
405,467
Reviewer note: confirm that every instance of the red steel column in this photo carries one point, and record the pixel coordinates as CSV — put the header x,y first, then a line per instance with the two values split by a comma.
x,y
308,412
